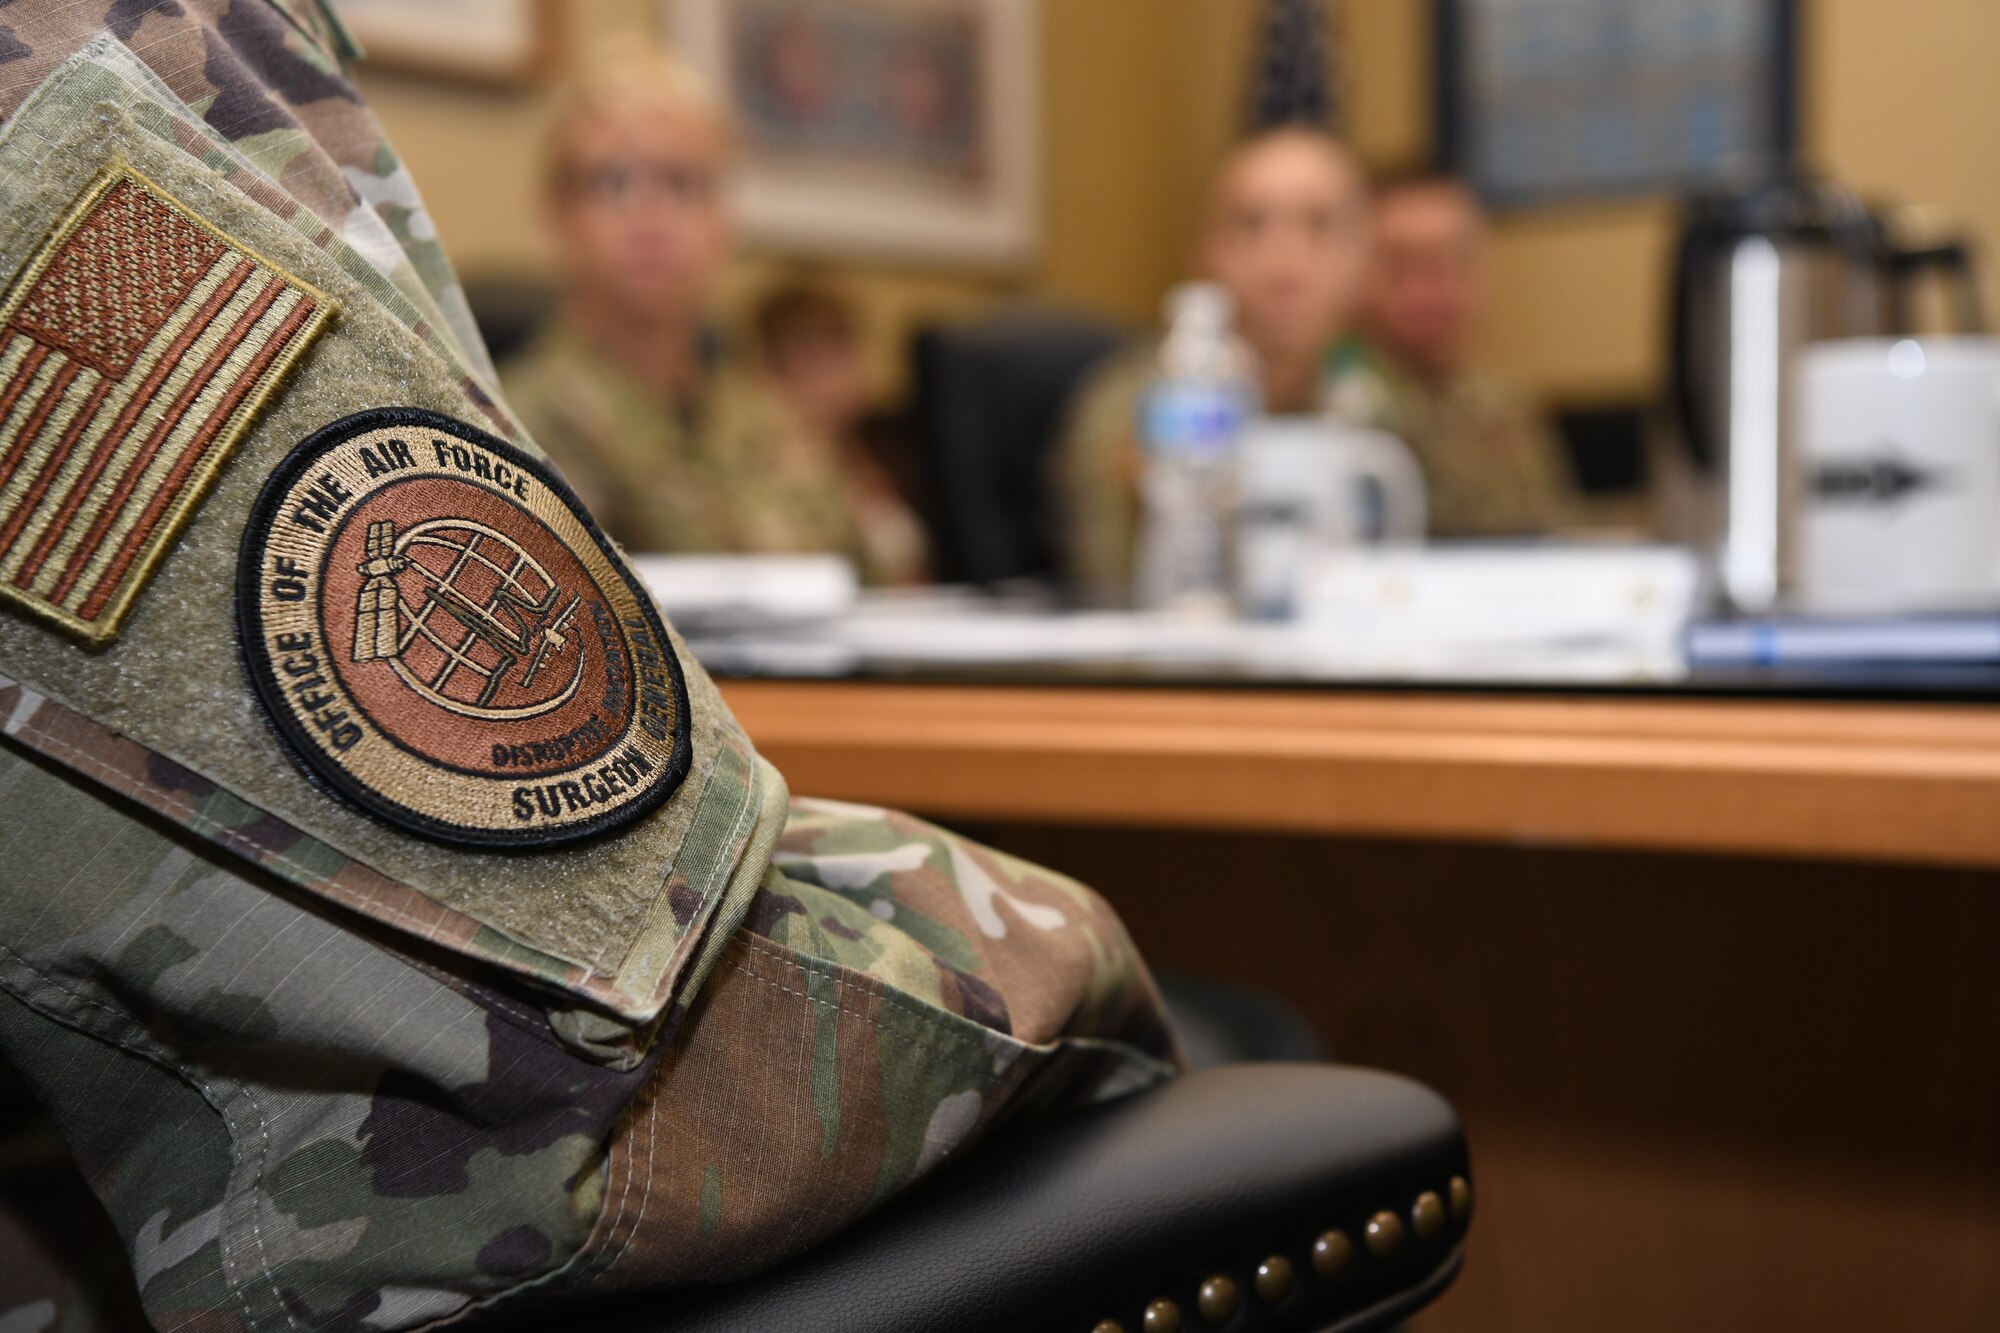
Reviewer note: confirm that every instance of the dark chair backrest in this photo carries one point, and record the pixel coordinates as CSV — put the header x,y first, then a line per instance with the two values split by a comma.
x,y
988,405
1605,446
508,311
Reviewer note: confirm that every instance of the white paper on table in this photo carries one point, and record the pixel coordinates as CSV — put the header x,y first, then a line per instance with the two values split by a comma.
x,y
1471,595
1450,614
1000,637
773,587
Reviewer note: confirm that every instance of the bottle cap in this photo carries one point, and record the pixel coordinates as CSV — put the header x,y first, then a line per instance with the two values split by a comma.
x,y
1202,305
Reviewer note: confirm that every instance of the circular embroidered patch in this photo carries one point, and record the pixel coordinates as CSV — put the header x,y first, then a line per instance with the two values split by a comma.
x,y
442,635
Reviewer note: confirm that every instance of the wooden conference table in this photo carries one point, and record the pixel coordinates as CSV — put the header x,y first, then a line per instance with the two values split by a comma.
x,y
1711,978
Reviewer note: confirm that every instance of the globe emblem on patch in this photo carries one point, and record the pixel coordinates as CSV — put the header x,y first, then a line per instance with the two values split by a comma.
x,y
443,638
468,619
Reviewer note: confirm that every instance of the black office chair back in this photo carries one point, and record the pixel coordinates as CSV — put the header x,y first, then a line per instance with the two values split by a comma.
x,y
508,310
988,405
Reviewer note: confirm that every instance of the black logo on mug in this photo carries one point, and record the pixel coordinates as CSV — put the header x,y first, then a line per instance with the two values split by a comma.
x,y
1887,478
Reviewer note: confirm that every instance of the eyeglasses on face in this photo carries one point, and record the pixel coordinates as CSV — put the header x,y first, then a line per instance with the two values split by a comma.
x,y
621,183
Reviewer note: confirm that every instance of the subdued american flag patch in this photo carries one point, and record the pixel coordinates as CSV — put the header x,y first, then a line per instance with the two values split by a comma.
x,y
136,347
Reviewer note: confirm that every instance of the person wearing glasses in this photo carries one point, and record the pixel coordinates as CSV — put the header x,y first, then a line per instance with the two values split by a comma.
x,y
674,445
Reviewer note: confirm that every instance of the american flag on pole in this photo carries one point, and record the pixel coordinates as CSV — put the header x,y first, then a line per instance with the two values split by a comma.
x,y
135,349
1293,82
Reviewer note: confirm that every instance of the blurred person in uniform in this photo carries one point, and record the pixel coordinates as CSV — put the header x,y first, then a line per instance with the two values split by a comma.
x,y
672,443
809,354
1286,232
395,922
1492,464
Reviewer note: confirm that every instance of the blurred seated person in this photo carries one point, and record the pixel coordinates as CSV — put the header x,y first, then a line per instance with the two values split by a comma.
x,y
672,446
1286,233
809,354
1492,464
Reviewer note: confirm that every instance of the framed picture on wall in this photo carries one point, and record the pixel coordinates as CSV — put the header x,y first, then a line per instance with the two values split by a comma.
x,y
904,130
1543,100
499,43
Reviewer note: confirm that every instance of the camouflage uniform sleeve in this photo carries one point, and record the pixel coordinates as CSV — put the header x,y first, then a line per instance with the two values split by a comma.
x,y
777,480
1492,465
896,993
1096,478
1510,474
1557,501
395,920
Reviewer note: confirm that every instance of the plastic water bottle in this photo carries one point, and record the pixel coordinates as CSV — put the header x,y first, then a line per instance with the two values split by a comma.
x,y
1203,393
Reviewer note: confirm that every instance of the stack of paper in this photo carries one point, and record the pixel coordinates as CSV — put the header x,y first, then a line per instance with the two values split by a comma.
x,y
1451,613
1483,607
696,588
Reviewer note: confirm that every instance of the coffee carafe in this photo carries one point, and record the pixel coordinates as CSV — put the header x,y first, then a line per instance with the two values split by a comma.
x,y
1759,272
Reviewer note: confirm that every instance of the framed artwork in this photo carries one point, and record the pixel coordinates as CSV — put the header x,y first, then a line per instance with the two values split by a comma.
x,y
499,43
898,129
1541,100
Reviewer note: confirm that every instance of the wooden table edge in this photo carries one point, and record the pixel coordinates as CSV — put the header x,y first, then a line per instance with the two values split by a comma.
x,y
1894,782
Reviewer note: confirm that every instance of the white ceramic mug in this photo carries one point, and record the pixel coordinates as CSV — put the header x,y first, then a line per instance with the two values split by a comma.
x,y
1897,488
1311,483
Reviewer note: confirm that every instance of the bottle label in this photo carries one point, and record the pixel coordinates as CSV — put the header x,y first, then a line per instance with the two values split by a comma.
x,y
1192,421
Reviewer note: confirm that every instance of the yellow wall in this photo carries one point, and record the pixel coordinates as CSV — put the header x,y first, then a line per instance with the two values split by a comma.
x,y
1140,95
1902,100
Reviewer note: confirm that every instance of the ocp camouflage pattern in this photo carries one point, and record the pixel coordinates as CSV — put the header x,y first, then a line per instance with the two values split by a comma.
x,y
311,1096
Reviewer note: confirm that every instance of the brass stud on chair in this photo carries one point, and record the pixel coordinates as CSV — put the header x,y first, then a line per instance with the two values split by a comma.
x,y
1274,1278
1460,1190
1162,1316
1383,1234
1427,1215
1218,1299
1331,1252
1108,1326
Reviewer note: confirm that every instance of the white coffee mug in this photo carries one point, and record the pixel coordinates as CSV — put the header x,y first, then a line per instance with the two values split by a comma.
x,y
1897,487
1309,483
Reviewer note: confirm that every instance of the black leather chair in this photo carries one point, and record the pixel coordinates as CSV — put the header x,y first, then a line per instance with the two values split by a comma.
x,y
988,397
508,310
1254,1198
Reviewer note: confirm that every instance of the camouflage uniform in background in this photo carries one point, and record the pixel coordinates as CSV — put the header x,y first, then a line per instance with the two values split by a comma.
x,y
1094,475
324,1071
730,470
1492,465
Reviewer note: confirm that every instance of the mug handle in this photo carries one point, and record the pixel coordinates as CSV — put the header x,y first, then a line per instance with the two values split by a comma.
x,y
1390,463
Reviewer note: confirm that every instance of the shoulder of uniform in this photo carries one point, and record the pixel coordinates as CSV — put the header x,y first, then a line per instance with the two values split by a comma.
x,y
1127,369
319,24
1110,391
552,378
1361,384
547,348
738,398
1493,392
